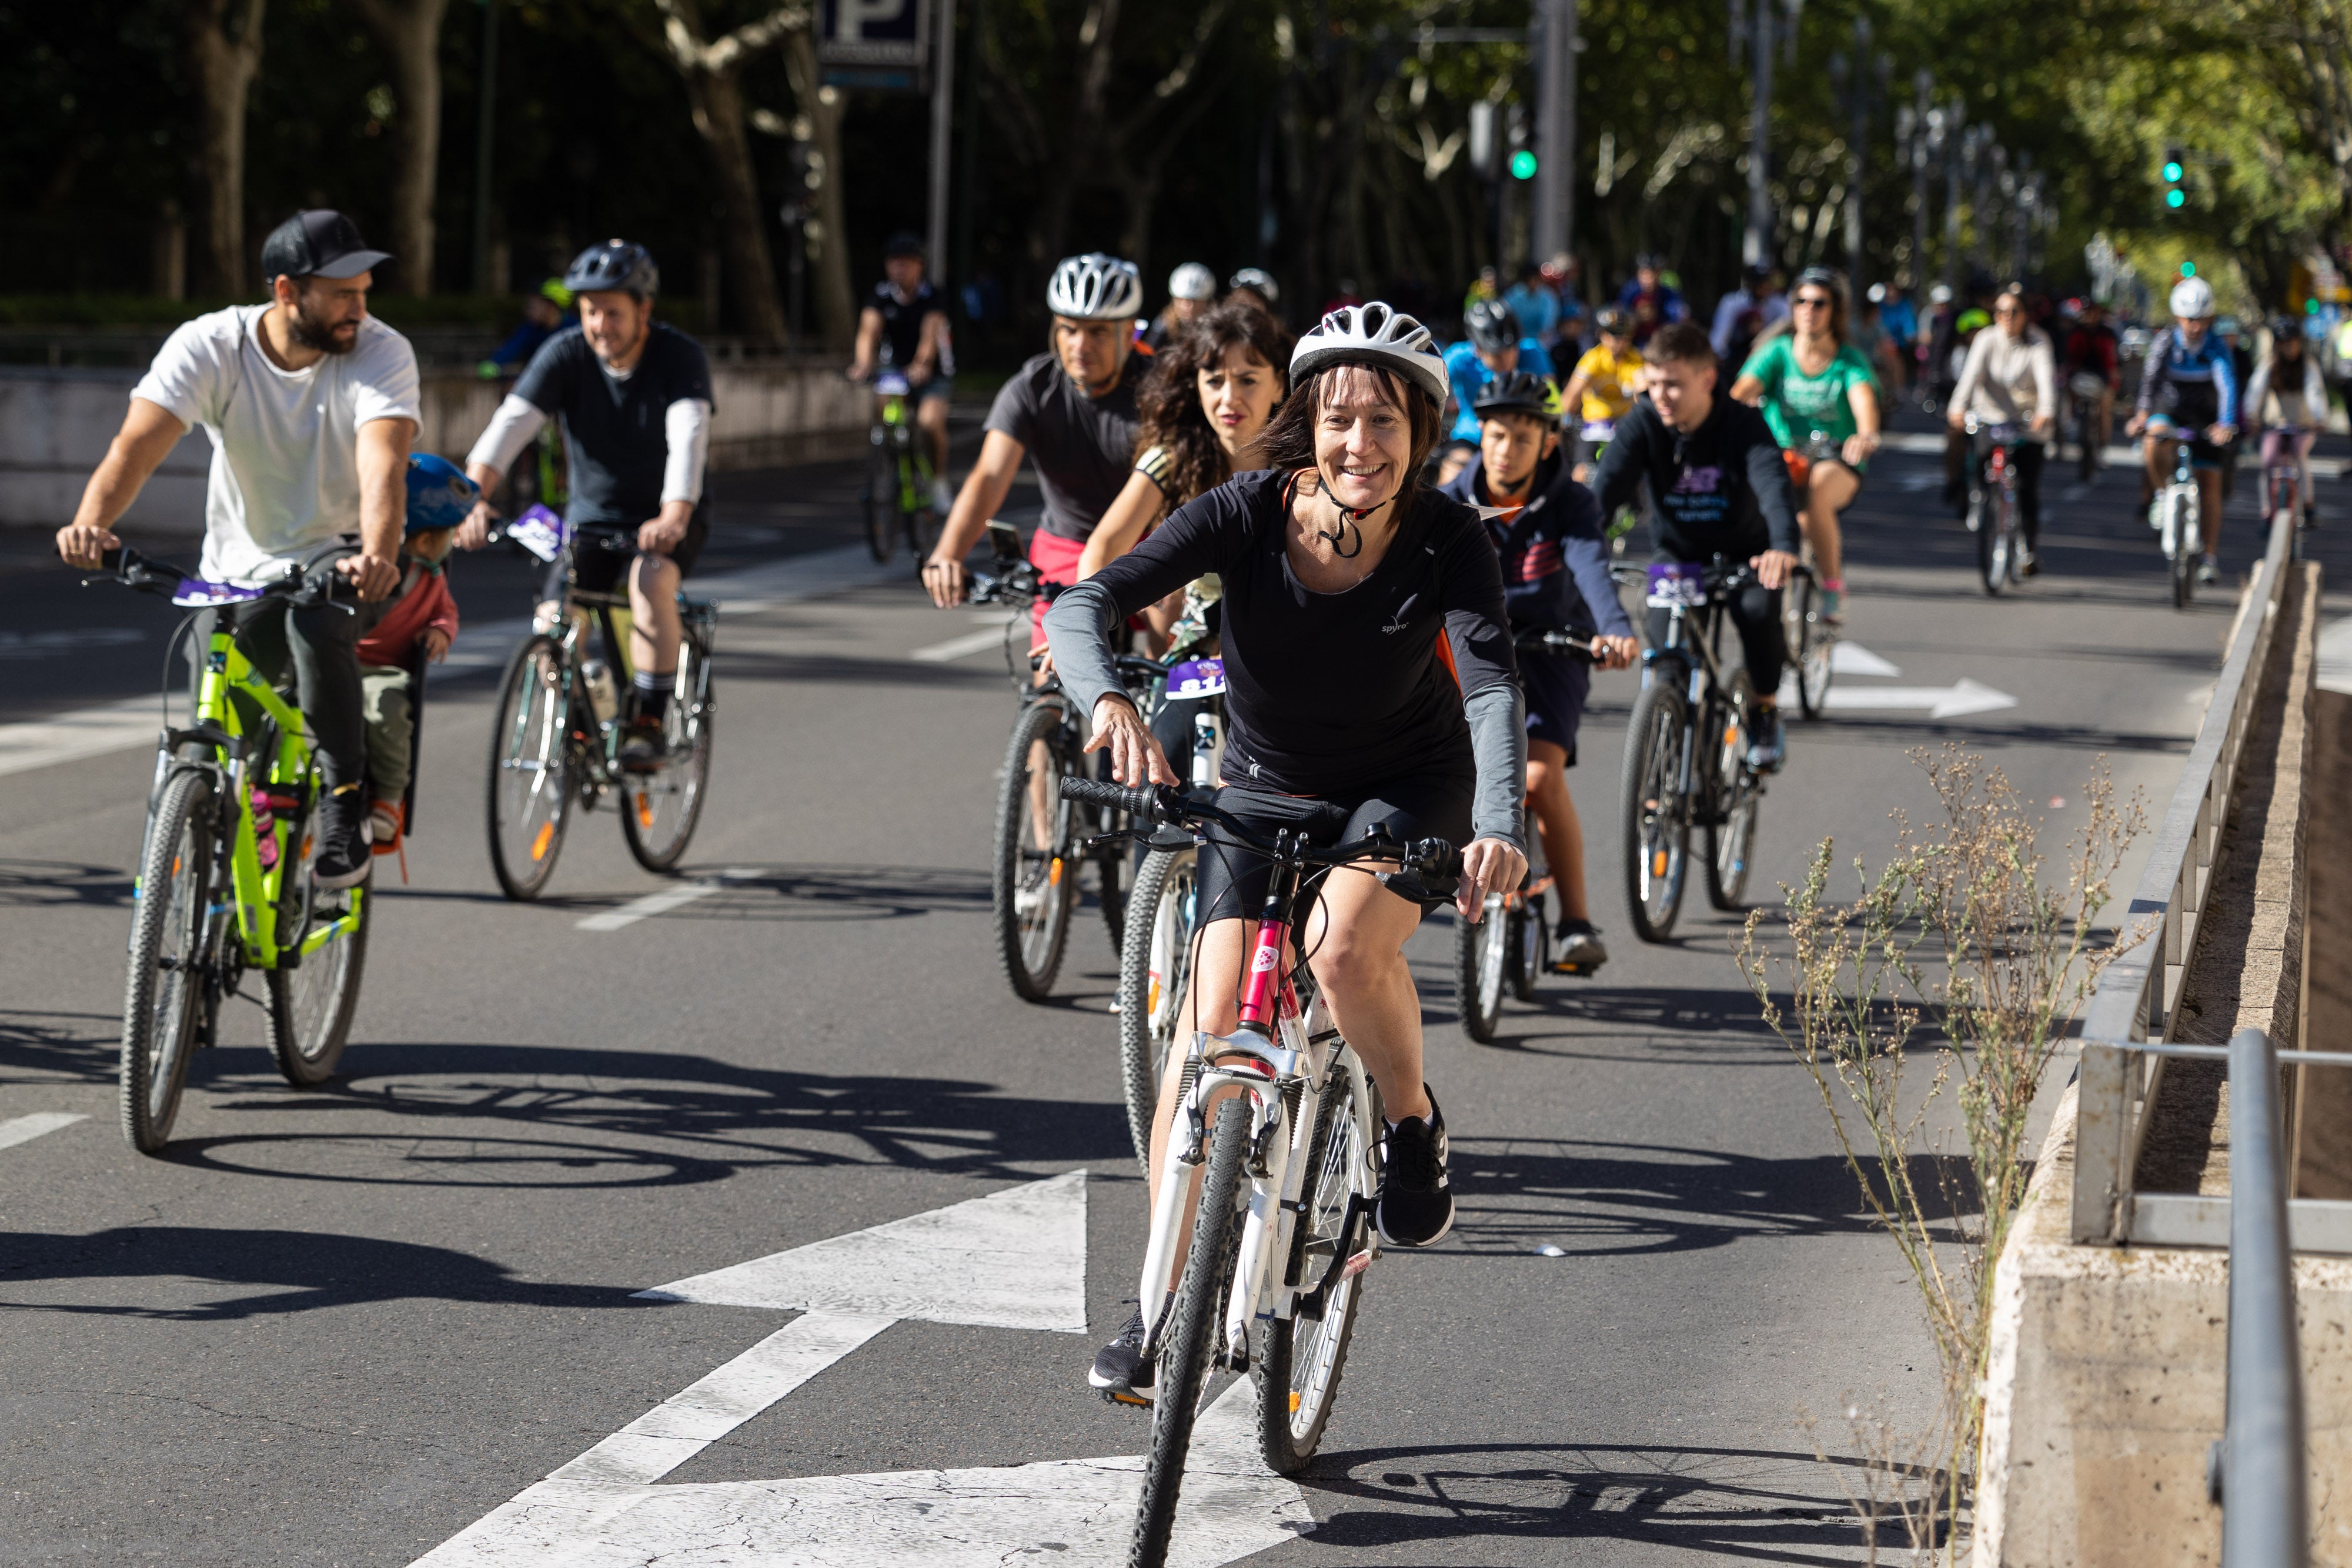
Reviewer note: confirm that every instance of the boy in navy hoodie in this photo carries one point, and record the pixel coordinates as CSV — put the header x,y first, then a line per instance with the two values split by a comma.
x,y
1547,528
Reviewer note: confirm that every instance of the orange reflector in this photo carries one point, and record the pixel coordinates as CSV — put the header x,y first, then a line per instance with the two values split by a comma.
x,y
1730,732
539,844
644,809
1153,1006
1053,873
1293,1402
176,865
1658,863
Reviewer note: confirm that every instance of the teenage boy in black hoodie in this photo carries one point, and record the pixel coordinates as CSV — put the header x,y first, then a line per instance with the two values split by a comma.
x,y
1547,528
1720,488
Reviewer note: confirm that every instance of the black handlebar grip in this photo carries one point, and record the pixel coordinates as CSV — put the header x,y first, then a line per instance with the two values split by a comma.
x,y
1141,803
1434,858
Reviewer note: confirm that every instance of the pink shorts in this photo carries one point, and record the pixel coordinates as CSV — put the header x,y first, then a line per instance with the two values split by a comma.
x,y
1056,561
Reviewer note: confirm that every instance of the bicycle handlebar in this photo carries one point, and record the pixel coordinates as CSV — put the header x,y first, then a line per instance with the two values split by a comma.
x,y
307,588
1561,644
1430,860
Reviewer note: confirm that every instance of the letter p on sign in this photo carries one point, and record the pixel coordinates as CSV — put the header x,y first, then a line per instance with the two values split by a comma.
x,y
853,16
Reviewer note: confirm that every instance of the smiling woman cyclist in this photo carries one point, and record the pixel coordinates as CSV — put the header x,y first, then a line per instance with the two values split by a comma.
x,y
1341,577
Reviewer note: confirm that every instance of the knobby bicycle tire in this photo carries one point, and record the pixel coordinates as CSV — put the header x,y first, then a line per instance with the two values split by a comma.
x,y
1481,962
1731,841
308,1008
1656,819
658,834
882,499
1191,1335
1809,644
1291,1419
1031,946
536,670
1154,969
161,1004
1530,953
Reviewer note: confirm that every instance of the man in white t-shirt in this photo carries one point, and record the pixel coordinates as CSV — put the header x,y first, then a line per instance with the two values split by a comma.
x,y
311,403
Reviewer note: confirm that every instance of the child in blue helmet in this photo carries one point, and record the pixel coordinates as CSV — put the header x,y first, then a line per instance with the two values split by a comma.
x,y
420,614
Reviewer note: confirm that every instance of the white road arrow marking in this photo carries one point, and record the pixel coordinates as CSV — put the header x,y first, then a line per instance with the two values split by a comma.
x,y
25,1129
991,635
1962,696
1854,659
1012,1259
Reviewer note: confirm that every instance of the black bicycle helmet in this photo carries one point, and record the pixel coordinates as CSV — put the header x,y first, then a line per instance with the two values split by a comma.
x,y
1517,391
904,243
1491,324
617,265
1613,322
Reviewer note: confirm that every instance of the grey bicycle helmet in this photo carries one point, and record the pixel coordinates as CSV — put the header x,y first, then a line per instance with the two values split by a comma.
x,y
1095,287
1372,334
1193,281
1491,324
1258,281
617,265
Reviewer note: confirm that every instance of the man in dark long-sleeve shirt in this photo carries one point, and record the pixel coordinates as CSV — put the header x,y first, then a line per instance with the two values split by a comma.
x,y
1720,488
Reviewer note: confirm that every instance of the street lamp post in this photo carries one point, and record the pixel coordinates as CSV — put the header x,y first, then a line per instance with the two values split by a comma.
x,y
1957,141
1753,29
1926,139
1554,226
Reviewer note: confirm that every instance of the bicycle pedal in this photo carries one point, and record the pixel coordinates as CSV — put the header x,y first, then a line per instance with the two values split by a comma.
x,y
1125,1396
1575,968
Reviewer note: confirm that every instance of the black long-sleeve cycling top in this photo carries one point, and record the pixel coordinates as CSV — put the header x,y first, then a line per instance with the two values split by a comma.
x,y
1325,692
1720,489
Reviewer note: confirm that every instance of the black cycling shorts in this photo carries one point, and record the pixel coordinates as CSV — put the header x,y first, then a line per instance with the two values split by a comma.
x,y
1557,687
598,570
1234,879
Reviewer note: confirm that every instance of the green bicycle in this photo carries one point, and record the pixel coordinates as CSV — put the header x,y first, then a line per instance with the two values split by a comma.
x,y
224,880
897,477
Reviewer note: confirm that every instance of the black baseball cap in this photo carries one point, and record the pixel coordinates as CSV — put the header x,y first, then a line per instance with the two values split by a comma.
x,y
320,243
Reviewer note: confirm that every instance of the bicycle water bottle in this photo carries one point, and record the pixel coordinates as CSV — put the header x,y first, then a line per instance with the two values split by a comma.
x,y
265,830
1204,751
603,694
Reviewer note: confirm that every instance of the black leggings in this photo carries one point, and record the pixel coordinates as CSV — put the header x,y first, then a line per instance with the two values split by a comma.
x,y
1756,616
321,643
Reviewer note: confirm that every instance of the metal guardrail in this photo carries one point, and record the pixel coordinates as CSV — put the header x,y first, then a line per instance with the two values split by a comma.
x,y
2125,1028
2256,1472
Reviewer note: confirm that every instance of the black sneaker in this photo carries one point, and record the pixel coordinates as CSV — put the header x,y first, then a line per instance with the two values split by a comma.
x,y
1416,1203
1581,950
1124,1373
342,859
1768,745
644,747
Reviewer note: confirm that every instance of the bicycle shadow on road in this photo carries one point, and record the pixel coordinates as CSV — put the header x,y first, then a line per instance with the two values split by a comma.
x,y
502,1115
1606,1199
1750,1504
277,1272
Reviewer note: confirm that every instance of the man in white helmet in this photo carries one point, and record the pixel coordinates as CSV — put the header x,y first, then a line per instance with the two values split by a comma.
x,y
2189,392
1071,412
1192,289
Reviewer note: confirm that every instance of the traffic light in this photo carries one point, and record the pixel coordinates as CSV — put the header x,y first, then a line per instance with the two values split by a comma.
x,y
2175,169
1523,164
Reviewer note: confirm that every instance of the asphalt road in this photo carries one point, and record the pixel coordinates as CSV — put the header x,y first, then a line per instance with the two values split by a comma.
x,y
343,1326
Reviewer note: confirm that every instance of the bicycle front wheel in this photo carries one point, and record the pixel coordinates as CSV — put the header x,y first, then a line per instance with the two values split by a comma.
x,y
881,501
530,785
1035,882
1155,966
1731,838
1531,947
1191,1336
1481,959
2181,535
1995,541
309,1002
169,968
659,809
1809,639
1298,1370
1656,816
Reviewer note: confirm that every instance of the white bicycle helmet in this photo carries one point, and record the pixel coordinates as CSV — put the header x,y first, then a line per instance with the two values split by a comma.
x,y
1095,287
2192,299
1193,281
1374,334
1258,281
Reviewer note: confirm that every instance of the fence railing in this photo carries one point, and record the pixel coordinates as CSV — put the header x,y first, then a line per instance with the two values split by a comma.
x,y
2256,1472
2126,1027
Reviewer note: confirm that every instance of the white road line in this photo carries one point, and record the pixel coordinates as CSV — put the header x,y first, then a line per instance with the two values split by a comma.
x,y
664,901
991,636
2336,656
2114,456
25,1129
85,732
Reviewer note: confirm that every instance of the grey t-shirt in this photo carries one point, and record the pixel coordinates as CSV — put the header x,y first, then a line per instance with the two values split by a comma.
x,y
1083,448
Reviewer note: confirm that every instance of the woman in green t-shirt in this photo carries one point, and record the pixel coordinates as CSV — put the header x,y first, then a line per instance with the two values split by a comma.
x,y
1810,380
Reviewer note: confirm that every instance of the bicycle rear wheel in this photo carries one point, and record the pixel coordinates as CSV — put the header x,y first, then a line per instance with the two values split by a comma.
x,y
169,966
1531,947
1155,966
1035,882
1297,1369
2180,536
1191,1335
659,809
1994,542
881,497
1656,817
1481,960
530,785
306,1011
1731,841
1809,639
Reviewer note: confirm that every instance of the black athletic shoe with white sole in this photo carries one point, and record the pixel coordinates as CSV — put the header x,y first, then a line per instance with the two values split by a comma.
x,y
1416,1202
1124,1373
342,859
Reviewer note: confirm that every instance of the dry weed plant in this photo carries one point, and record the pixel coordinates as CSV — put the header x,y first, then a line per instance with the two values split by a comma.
x,y
1896,1478
1958,932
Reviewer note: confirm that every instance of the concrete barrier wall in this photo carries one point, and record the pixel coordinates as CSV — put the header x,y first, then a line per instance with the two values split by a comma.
x,y
55,425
